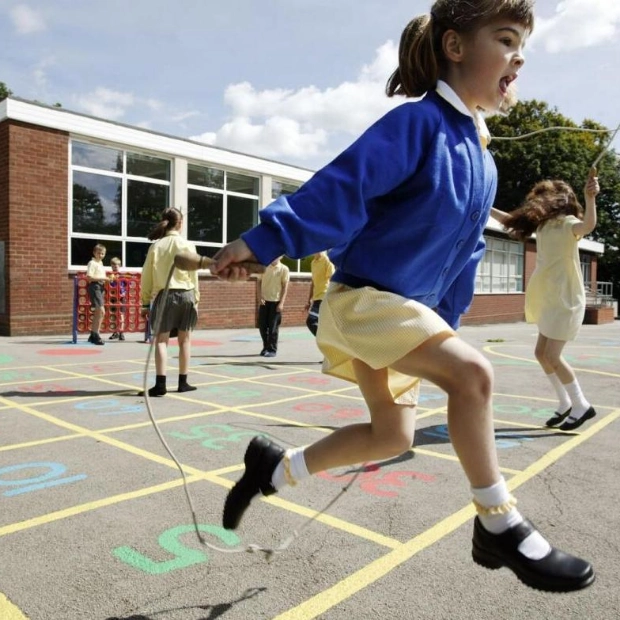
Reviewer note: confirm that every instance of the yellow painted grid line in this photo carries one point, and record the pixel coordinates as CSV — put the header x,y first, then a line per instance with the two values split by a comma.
x,y
490,349
196,473
8,611
372,572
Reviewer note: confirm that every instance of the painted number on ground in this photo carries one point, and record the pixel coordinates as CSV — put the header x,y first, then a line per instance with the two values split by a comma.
x,y
169,541
50,477
214,436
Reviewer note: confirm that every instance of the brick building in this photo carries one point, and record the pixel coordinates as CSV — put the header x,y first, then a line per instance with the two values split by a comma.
x,y
69,181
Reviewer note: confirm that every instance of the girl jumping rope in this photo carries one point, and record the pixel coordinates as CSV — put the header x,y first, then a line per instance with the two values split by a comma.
x,y
555,297
404,209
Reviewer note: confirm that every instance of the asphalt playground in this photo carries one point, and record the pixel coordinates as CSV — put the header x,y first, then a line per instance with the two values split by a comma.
x,y
94,522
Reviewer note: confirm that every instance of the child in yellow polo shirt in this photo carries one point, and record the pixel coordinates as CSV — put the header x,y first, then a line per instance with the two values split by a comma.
x,y
273,289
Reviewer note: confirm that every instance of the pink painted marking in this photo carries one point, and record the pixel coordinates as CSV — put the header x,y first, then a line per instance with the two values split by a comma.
x,y
70,351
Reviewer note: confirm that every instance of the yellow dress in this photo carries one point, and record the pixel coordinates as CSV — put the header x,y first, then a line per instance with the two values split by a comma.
x,y
555,297
378,328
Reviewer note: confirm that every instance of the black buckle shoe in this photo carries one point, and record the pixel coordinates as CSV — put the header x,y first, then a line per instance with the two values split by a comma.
x,y
557,418
261,459
571,426
556,572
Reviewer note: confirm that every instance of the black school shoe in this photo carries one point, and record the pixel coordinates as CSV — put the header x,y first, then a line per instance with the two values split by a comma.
x,y
557,418
556,572
571,426
261,459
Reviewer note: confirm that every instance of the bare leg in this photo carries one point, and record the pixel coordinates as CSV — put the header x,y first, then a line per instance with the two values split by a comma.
x,y
389,433
463,373
467,378
549,355
98,315
161,353
185,351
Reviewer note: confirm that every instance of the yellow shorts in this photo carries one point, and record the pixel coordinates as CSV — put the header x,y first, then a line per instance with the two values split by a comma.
x,y
378,328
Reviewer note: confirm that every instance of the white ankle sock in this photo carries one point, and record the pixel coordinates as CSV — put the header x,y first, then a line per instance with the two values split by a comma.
x,y
297,468
534,546
563,397
578,400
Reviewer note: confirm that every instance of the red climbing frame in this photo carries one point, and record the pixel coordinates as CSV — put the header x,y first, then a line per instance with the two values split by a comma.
x,y
122,295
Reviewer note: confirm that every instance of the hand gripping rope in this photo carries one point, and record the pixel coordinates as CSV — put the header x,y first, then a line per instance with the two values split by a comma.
x,y
193,262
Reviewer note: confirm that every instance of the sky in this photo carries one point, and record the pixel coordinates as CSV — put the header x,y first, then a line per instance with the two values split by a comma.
x,y
294,81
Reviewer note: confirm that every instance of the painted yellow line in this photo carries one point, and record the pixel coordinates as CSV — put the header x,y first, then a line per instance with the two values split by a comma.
x,y
353,583
213,477
490,350
40,442
455,459
335,522
8,611
320,603
87,507
556,453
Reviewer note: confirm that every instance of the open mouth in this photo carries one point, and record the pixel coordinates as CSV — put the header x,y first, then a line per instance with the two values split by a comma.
x,y
505,82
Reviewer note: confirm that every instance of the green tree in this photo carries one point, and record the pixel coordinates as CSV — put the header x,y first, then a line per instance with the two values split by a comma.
x,y
4,91
559,154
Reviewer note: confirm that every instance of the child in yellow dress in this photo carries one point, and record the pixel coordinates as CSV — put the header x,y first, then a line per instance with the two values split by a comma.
x,y
555,297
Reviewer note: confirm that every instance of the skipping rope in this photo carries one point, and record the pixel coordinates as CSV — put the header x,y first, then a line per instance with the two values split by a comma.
x,y
193,262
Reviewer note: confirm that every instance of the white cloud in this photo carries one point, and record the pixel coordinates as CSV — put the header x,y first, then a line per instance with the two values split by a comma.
x,y
577,24
301,123
179,117
105,103
26,20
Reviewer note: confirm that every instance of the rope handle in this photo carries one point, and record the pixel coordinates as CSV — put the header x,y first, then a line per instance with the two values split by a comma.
x,y
190,261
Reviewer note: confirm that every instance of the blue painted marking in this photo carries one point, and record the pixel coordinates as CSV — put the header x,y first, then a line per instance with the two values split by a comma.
x,y
36,483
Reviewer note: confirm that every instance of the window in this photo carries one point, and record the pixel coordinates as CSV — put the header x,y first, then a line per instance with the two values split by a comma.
x,y
586,270
501,268
283,188
221,205
280,188
116,196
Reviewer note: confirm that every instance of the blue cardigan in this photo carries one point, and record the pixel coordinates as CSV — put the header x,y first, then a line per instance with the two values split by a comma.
x,y
403,208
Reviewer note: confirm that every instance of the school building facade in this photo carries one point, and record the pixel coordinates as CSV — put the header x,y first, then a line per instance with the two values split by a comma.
x,y
69,181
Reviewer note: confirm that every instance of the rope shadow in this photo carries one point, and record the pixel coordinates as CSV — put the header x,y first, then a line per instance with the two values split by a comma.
x,y
214,611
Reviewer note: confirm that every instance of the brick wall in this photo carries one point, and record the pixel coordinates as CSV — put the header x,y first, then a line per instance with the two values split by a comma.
x,y
34,178
494,308
39,291
4,213
226,305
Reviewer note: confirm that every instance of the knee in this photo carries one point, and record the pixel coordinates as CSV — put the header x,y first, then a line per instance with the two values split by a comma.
x,y
398,443
541,355
392,440
476,378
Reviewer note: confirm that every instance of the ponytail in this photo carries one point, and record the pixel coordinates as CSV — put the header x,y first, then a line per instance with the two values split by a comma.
x,y
170,219
418,68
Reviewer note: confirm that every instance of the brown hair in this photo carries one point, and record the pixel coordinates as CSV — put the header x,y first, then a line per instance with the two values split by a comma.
x,y
547,200
420,52
170,219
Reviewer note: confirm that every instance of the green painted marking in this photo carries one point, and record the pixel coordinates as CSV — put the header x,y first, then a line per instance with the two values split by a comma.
x,y
169,540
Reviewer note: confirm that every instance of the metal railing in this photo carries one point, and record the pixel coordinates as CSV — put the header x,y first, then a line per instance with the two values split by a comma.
x,y
601,298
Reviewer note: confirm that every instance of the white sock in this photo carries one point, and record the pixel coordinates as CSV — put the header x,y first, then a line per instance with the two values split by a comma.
x,y
563,397
297,464
578,400
534,546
